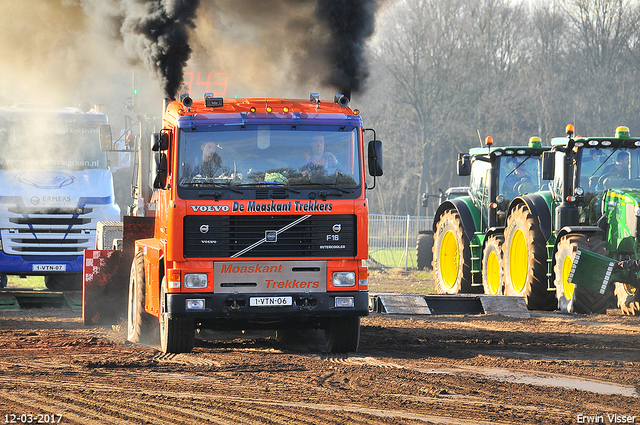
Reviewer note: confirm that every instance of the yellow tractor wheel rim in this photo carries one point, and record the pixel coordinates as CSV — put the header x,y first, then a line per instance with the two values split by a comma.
x,y
567,287
518,261
449,259
493,273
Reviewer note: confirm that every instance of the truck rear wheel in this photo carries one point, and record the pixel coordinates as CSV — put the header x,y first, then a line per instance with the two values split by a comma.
x,y
342,334
424,250
627,297
141,326
525,260
177,334
451,255
492,265
576,298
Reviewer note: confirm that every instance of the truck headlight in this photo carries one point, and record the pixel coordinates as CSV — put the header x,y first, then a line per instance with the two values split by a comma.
x,y
344,279
344,302
195,280
195,304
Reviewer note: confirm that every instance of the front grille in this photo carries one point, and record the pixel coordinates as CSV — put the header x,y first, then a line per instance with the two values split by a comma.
x,y
54,231
244,236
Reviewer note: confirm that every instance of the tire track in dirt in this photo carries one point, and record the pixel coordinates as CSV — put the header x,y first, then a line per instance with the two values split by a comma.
x,y
76,407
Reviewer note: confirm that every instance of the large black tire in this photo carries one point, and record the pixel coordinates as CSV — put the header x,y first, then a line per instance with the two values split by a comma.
x,y
142,327
342,334
177,334
64,282
3,280
576,298
451,256
525,260
492,266
627,298
424,250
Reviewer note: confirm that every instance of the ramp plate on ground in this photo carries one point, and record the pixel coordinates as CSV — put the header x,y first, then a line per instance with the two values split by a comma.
x,y
404,304
8,302
505,306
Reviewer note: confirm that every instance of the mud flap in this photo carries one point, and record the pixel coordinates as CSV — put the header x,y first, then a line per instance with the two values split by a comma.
x,y
106,276
105,287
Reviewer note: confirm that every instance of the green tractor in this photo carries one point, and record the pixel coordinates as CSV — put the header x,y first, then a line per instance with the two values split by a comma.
x,y
593,204
469,230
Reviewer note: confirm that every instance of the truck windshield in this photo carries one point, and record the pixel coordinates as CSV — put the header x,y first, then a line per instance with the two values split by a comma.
x,y
270,156
50,146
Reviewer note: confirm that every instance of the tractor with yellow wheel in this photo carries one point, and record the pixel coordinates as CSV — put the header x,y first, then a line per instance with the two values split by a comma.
x,y
469,231
593,204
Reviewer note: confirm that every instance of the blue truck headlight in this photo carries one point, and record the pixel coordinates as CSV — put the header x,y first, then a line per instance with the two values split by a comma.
x,y
195,280
344,279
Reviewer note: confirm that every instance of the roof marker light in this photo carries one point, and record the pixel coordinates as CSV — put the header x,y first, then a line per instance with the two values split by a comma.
x,y
535,142
622,132
570,130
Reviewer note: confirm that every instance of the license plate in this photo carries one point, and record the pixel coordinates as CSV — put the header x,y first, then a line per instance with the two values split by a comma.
x,y
49,267
270,301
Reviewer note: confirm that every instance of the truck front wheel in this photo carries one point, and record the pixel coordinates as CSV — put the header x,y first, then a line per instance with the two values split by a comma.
x,y
492,265
627,297
451,255
576,298
525,260
342,334
177,334
141,326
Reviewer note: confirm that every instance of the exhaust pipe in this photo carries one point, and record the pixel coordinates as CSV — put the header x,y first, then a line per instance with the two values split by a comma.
x,y
165,105
341,100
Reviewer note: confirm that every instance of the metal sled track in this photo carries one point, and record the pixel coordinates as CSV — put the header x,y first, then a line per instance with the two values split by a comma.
x,y
447,304
16,298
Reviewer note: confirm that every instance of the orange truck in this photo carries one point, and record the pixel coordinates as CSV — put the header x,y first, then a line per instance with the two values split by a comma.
x,y
257,219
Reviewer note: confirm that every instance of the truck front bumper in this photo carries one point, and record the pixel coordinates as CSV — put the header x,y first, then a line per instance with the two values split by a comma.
x,y
234,307
26,264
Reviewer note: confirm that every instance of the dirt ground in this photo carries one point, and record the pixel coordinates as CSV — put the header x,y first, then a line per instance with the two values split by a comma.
x,y
464,369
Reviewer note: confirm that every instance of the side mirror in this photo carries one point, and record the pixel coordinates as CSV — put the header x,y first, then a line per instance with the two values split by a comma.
x,y
548,165
464,164
104,132
160,181
375,158
160,141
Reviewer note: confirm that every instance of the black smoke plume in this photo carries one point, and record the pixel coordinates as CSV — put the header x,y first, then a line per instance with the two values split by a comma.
x,y
156,33
350,24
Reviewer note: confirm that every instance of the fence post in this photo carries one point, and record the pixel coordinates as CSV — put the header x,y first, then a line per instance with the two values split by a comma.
x,y
406,246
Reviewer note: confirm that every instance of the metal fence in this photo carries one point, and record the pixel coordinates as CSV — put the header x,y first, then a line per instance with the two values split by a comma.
x,y
392,240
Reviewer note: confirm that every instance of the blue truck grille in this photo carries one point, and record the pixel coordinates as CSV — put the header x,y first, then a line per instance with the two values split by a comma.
x,y
61,231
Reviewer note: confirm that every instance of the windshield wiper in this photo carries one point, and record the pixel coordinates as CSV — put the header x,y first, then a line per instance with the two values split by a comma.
x,y
210,184
325,185
268,184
